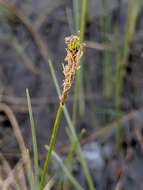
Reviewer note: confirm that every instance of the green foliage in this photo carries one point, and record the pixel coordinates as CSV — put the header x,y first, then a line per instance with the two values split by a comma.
x,y
34,142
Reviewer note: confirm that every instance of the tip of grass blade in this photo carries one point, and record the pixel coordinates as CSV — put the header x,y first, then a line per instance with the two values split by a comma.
x,y
34,140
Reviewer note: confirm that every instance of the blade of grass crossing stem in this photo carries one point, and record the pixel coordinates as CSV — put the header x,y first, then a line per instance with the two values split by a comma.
x,y
66,171
50,183
34,140
72,150
51,147
67,116
73,137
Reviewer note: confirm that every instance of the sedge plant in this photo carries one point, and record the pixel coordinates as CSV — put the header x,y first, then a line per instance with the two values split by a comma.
x,y
74,54
35,185
75,144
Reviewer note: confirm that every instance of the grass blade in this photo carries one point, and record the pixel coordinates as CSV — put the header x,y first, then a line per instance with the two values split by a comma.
x,y
78,88
66,171
133,11
34,140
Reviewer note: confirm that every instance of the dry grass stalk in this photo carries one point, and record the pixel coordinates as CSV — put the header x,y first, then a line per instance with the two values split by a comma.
x,y
74,54
16,128
12,176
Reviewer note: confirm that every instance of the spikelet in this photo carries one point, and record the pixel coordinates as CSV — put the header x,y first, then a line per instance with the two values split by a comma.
x,y
74,54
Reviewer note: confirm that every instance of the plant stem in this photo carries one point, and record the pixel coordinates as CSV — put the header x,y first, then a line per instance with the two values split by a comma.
x,y
107,58
76,14
79,77
34,140
73,137
80,73
51,147
83,18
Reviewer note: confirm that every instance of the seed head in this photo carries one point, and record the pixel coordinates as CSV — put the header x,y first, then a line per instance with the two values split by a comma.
x,y
74,53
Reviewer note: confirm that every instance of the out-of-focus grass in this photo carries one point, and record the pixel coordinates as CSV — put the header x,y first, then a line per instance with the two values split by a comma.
x,y
72,179
4,11
76,14
80,21
107,58
121,55
34,142
121,58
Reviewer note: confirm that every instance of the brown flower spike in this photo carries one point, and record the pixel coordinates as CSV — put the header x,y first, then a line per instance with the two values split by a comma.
x,y
74,53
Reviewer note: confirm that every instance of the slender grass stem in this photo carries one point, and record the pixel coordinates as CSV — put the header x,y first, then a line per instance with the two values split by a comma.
x,y
51,147
34,141
80,73
76,10
78,88
83,18
76,14
107,58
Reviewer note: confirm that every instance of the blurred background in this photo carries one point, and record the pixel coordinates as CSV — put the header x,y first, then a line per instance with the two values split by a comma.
x,y
105,103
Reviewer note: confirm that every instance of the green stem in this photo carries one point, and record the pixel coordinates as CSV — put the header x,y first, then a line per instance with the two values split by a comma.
x,y
76,14
80,73
34,139
79,77
83,18
51,147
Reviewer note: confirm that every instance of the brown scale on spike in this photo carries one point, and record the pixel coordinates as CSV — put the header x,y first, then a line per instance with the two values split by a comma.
x,y
74,54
